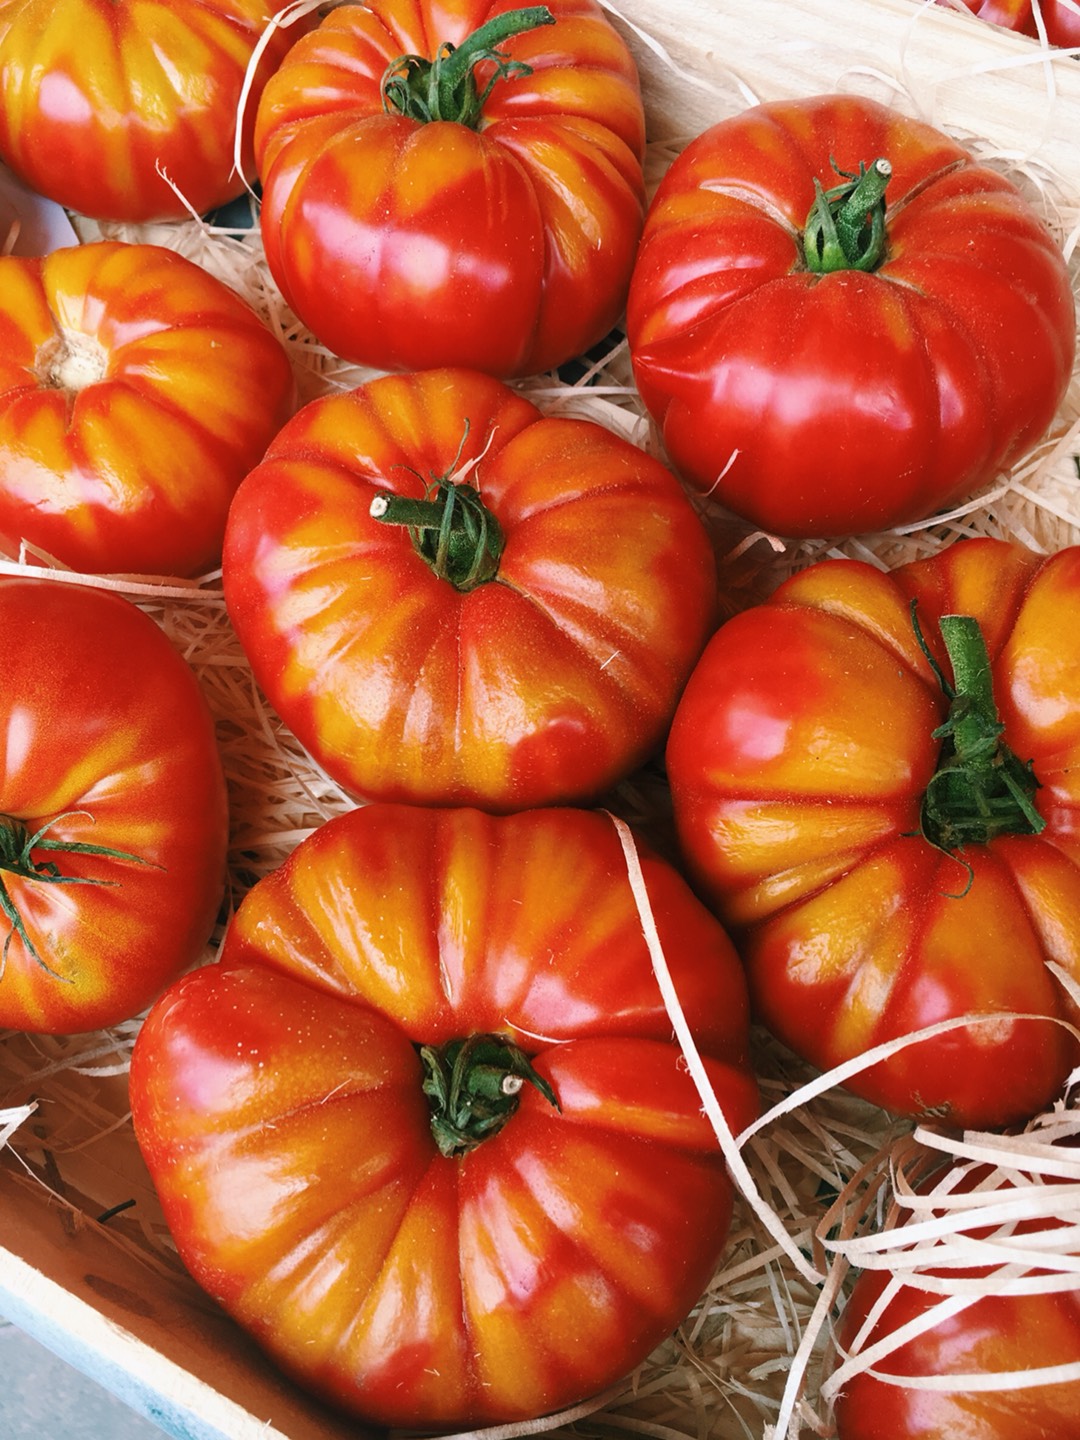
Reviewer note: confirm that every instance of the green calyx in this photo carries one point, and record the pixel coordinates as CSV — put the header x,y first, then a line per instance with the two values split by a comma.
x,y
451,528
981,788
17,847
445,88
845,229
473,1088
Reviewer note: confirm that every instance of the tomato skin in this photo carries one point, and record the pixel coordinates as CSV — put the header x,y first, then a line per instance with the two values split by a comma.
x,y
546,684
850,401
997,1333
798,759
136,392
276,1097
1062,24
96,95
108,742
407,245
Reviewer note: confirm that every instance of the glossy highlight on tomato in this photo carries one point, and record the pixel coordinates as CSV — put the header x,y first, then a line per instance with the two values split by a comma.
x,y
111,107
406,237
841,322
136,392
881,875
281,1100
452,598
113,809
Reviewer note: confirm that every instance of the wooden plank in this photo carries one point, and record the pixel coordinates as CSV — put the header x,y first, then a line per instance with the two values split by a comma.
x,y
155,1342
700,59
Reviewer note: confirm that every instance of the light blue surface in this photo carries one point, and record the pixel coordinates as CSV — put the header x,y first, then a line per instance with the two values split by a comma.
x,y
44,1395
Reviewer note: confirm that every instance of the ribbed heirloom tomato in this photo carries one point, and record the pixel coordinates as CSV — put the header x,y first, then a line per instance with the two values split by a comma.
x,y
103,103
113,818
892,846
451,598
962,1350
840,321
425,1130
136,392
454,182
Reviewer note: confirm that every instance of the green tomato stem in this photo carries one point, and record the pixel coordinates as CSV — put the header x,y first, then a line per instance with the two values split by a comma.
x,y
445,88
981,789
473,1087
17,845
845,229
451,529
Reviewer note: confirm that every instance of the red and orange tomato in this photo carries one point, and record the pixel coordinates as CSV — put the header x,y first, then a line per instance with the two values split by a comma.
x,y
489,220
969,1350
113,809
111,109
516,627
425,1130
883,874
136,392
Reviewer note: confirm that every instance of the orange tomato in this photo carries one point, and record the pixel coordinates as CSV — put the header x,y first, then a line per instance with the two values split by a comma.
x,y
536,660
113,811
882,874
136,391
425,1131
496,232
104,102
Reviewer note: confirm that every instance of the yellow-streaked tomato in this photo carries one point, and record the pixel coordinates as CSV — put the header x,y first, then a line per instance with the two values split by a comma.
x,y
113,810
454,182
425,1131
136,392
452,598
896,846
103,103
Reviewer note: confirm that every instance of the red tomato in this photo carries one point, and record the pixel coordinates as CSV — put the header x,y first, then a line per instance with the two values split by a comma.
x,y
136,392
420,1259
827,388
844,838
103,102
995,1335
113,821
1061,18
538,661
496,232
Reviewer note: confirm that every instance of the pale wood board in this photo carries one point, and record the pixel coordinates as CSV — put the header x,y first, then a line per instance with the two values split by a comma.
x,y
948,67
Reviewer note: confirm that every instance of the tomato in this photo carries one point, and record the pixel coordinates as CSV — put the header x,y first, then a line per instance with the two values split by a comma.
x,y
113,815
424,1129
881,874
136,391
520,637
1018,1329
835,360
1061,18
496,231
103,103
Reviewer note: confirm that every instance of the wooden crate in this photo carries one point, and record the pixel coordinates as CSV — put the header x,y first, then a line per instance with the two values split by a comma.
x,y
108,1293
